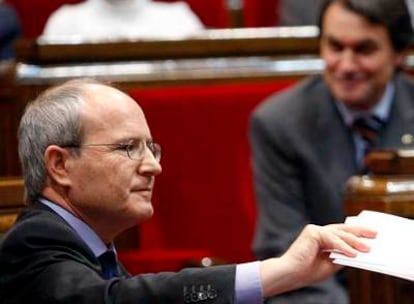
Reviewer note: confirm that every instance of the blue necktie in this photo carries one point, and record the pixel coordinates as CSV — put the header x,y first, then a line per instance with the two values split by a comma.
x,y
109,264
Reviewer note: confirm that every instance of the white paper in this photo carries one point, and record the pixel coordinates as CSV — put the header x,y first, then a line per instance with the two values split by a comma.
x,y
392,251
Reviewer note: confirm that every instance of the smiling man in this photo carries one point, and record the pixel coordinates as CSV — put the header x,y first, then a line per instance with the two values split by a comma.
x,y
307,141
89,164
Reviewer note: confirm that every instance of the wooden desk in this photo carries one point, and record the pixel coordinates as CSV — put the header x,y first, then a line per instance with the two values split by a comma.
x,y
240,42
389,188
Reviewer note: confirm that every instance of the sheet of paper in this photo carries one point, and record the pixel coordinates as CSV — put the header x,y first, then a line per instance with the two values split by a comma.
x,y
392,251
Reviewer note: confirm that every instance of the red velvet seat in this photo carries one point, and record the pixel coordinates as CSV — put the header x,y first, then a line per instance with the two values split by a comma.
x,y
203,200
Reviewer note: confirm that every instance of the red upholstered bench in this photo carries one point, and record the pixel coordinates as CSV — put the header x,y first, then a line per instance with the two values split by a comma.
x,y
33,14
204,199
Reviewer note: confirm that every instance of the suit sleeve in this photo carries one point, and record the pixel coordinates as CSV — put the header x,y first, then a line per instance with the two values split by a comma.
x,y
43,261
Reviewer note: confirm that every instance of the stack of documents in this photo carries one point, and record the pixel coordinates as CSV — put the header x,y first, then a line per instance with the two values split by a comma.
x,y
392,251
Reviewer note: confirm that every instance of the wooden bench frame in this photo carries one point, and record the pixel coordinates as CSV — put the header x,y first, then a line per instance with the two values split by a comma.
x,y
11,201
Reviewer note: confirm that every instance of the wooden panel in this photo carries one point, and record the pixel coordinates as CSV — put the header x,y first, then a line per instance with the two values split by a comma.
x,y
11,201
7,220
11,192
8,118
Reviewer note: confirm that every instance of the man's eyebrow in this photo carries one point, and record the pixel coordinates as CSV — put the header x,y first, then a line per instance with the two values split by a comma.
x,y
368,42
133,139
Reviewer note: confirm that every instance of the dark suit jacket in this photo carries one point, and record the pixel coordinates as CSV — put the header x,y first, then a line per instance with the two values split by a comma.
x,y
42,260
303,154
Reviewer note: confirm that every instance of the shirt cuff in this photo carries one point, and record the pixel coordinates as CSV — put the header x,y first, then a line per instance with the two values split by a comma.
x,y
248,286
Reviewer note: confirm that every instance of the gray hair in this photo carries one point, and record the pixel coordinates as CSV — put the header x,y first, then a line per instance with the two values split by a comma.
x,y
53,118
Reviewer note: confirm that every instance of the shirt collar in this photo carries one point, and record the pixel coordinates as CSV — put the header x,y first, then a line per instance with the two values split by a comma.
x,y
382,109
85,232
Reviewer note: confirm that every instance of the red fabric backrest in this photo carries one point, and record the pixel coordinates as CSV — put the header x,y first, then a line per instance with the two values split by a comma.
x,y
33,14
204,197
260,13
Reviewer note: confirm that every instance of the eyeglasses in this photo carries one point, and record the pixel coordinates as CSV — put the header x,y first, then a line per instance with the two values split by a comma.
x,y
135,149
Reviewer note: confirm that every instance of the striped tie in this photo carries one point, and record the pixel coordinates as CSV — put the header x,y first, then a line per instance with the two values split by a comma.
x,y
368,128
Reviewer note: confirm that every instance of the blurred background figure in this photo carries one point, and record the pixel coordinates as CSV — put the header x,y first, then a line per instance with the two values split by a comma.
x,y
108,19
9,30
298,12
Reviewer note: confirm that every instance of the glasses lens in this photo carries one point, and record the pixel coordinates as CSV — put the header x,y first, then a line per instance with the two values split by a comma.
x,y
156,150
136,151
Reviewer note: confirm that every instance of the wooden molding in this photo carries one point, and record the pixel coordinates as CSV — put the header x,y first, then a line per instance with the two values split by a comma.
x,y
6,221
11,192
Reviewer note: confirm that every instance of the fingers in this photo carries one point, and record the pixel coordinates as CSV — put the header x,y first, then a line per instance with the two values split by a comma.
x,y
357,230
344,238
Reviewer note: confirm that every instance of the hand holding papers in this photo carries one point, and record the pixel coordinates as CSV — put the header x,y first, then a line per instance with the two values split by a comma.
x,y
392,251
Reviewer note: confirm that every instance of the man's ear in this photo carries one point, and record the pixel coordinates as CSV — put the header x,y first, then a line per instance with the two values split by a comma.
x,y
56,161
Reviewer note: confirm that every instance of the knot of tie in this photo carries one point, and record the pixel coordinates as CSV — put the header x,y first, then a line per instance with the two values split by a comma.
x,y
109,264
368,128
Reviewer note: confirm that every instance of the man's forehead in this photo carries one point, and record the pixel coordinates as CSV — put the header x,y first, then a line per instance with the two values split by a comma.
x,y
108,109
106,98
355,30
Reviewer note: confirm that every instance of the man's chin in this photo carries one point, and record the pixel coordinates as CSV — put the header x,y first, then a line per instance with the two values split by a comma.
x,y
352,100
140,211
356,104
147,212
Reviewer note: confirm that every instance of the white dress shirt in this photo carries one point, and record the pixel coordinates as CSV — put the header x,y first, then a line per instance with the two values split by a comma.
x,y
121,19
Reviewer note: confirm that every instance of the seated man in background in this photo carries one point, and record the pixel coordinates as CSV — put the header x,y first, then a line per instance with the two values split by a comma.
x,y
10,30
89,164
117,19
307,141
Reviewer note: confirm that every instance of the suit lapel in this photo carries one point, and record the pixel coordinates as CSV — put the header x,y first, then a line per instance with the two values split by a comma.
x,y
335,143
401,120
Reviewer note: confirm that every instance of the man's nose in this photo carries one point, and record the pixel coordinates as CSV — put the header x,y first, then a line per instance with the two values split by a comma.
x,y
347,61
149,165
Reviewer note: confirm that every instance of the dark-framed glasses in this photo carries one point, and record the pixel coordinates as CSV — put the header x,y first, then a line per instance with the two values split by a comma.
x,y
135,149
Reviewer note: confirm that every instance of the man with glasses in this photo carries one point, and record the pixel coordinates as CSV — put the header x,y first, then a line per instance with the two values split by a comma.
x,y
89,165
